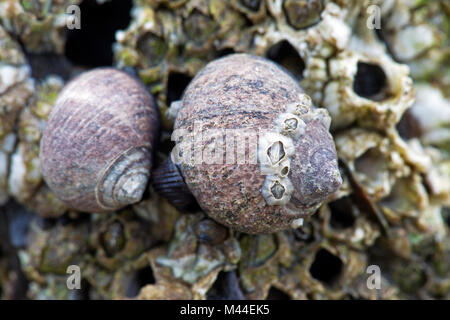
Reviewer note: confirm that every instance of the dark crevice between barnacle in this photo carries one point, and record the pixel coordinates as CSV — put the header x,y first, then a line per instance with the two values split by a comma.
x,y
224,52
45,223
74,218
226,287
277,294
19,219
446,215
363,202
91,45
326,267
14,222
285,55
48,63
139,279
342,213
371,82
408,127
176,84
302,14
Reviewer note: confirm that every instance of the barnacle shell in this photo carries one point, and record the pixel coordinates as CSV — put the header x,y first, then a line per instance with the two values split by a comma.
x,y
96,149
293,173
192,261
38,24
431,112
151,43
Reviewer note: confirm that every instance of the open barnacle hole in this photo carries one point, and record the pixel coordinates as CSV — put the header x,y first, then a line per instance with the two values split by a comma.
x,y
91,45
342,213
342,221
301,14
277,294
371,82
326,267
375,93
287,56
176,84
226,287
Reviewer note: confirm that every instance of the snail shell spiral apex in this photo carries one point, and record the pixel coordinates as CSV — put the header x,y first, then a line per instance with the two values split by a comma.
x,y
96,150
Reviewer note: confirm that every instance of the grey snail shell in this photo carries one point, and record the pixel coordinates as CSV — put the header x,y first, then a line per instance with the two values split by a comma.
x,y
296,167
96,149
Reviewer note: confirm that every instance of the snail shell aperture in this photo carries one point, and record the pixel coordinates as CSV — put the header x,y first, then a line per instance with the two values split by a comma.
x,y
96,150
296,167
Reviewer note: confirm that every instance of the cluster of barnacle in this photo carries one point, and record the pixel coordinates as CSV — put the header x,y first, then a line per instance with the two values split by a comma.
x,y
392,137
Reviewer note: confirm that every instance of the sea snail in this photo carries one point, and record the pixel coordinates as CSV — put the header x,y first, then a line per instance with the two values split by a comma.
x,y
287,165
96,149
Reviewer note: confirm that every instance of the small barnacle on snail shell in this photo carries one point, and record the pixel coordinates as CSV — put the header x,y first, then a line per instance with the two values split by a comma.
x,y
96,150
290,163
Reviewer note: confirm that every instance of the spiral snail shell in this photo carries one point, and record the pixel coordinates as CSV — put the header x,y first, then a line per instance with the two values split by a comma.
x,y
96,149
294,167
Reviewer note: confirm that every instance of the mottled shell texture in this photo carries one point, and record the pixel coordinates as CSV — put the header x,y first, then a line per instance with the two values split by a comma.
x,y
96,149
296,167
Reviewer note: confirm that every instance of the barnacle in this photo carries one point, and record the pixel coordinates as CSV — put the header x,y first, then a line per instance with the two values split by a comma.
x,y
25,178
383,93
38,24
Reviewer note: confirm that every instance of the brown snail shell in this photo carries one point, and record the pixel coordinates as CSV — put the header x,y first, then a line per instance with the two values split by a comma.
x,y
296,167
96,150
